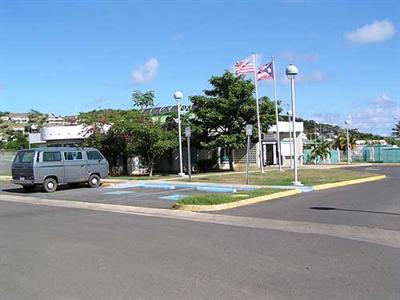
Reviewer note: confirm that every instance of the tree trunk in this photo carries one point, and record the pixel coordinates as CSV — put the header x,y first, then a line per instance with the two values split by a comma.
x,y
151,167
230,151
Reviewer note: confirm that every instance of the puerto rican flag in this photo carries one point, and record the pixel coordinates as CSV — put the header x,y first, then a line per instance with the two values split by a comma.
x,y
243,67
265,72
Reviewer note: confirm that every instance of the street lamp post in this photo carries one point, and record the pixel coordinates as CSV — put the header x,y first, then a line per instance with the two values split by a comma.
x,y
289,113
347,123
189,160
178,97
249,133
291,72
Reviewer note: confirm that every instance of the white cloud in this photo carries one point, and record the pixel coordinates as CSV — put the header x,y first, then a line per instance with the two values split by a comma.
x,y
299,57
376,32
377,116
145,73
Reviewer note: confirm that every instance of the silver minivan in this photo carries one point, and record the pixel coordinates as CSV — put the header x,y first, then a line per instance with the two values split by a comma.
x,y
54,166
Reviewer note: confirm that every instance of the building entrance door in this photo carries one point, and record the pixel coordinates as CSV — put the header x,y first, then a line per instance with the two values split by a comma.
x,y
269,154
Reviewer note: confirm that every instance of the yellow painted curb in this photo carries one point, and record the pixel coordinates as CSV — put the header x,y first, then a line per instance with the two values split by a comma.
x,y
235,204
5,178
347,182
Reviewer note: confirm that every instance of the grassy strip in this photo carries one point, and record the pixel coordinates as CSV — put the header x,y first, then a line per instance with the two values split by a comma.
x,y
307,177
219,198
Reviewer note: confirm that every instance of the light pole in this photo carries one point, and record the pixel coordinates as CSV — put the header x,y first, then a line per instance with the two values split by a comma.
x,y
178,97
291,72
189,160
249,133
289,113
347,123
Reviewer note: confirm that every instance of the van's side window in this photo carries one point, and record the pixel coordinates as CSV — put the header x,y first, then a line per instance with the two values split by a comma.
x,y
52,156
73,155
94,155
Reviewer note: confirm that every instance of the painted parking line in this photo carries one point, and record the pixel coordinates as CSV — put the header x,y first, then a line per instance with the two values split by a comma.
x,y
117,193
214,189
124,185
372,169
175,197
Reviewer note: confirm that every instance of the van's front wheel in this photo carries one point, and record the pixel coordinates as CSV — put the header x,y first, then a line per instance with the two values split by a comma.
x,y
94,181
50,185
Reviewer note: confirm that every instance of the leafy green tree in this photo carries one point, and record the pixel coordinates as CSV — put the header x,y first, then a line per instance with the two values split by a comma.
x,y
102,135
220,116
143,100
151,139
17,141
131,133
97,120
321,149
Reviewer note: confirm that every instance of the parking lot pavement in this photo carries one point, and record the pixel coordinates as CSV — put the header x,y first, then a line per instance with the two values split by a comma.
x,y
375,204
124,195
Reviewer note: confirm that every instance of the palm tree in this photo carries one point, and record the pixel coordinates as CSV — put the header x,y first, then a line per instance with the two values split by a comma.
x,y
396,130
341,141
321,149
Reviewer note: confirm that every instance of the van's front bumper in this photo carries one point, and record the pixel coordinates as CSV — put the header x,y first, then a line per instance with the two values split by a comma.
x,y
24,182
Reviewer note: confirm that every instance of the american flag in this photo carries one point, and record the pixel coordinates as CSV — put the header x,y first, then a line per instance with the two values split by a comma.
x,y
265,72
243,67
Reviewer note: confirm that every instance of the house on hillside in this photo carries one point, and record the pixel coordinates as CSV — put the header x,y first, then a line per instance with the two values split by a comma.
x,y
19,118
5,118
53,120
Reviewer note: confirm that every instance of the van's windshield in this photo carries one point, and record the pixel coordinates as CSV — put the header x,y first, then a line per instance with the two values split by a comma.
x,y
24,157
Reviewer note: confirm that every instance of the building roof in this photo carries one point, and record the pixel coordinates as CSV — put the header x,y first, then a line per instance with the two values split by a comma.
x,y
168,109
18,115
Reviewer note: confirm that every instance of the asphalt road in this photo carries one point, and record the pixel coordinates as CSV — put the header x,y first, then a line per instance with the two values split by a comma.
x,y
61,253
374,204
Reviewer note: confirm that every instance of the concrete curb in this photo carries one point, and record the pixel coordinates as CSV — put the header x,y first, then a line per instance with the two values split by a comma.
x,y
236,203
347,182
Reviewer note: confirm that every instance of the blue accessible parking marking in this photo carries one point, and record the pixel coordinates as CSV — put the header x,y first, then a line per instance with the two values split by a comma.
x,y
117,193
175,197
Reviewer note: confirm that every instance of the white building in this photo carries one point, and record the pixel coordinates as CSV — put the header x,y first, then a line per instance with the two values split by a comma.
x,y
62,135
270,153
20,118
52,119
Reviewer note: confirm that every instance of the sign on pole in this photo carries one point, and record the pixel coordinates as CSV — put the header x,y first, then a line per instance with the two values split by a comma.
x,y
249,130
187,132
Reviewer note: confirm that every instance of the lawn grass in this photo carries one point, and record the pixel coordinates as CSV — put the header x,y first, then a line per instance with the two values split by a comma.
x,y
275,177
220,198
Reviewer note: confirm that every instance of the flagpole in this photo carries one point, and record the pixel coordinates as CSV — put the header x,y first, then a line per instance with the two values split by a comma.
x,y
258,116
277,117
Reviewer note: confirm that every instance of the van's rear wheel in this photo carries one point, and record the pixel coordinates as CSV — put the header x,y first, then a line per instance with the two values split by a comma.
x,y
94,181
28,188
50,185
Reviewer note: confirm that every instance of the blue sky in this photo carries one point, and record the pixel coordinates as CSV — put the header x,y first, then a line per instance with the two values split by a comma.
x,y
70,56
